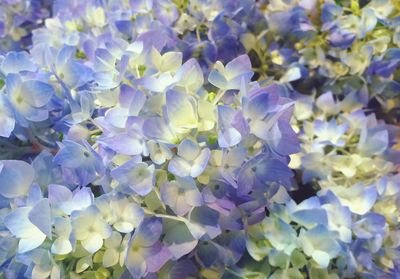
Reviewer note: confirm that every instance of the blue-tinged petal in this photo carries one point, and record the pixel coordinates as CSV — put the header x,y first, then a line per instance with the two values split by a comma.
x,y
283,139
137,103
156,257
262,103
64,55
358,198
123,144
75,74
178,239
237,82
371,225
15,178
373,142
228,137
58,194
193,197
34,196
310,217
281,235
149,232
141,6
80,163
200,163
33,114
238,66
136,264
181,207
169,192
320,244
217,79
157,128
117,117
40,216
207,218
368,20
184,268
179,167
181,110
17,222
82,198
69,156
157,84
273,170
190,76
234,246
7,121
188,149
13,84
36,93
137,176
261,170
46,172
106,80
262,129
20,226
159,152
207,253
104,61
16,62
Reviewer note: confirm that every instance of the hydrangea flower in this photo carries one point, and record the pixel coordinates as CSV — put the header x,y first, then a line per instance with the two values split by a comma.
x,y
28,98
136,175
90,229
201,138
181,195
80,162
31,224
191,160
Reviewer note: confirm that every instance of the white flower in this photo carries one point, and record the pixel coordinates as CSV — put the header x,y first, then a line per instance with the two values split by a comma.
x,y
90,229
116,249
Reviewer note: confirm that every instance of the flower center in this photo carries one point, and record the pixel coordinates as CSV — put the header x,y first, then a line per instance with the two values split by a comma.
x,y
19,100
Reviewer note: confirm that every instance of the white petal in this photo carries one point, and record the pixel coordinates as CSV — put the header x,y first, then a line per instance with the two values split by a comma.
x,y
123,227
321,257
92,243
28,244
110,257
61,246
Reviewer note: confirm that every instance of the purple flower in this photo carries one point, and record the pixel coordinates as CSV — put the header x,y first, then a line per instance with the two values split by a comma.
x,y
145,252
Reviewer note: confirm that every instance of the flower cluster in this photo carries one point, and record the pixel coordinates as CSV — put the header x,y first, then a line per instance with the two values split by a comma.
x,y
17,20
342,143
200,138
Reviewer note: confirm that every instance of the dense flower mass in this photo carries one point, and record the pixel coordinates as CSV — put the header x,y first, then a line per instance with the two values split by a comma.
x,y
199,139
